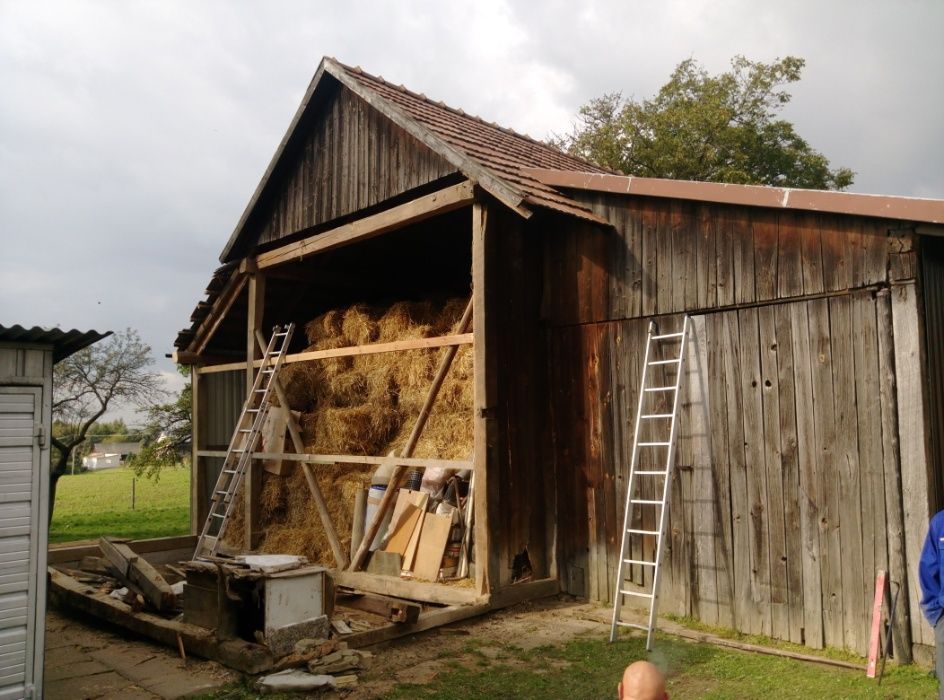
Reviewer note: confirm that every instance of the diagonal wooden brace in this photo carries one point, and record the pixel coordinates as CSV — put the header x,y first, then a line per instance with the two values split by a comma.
x,y
394,486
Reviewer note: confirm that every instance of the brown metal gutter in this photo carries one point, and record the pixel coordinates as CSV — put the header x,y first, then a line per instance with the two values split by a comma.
x,y
881,206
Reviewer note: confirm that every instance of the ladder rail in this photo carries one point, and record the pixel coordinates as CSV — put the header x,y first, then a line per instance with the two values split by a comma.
x,y
667,487
627,510
652,337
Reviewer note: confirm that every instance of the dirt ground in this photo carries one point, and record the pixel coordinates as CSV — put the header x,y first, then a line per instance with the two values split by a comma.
x,y
85,661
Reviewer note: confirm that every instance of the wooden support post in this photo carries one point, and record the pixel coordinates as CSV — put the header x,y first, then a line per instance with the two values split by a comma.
x,y
394,486
486,564
913,442
198,475
253,483
296,436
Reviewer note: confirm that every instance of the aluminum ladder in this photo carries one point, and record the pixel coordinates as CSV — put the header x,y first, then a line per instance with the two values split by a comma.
x,y
662,423
243,444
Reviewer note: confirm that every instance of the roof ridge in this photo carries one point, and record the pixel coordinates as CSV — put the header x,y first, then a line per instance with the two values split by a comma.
x,y
456,110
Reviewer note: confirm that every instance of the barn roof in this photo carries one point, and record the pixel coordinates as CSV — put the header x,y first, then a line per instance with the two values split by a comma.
x,y
493,157
917,209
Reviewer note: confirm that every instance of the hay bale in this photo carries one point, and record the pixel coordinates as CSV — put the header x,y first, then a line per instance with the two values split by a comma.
x,y
364,405
359,325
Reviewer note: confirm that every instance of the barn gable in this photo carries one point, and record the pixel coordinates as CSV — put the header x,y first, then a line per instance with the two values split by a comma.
x,y
357,141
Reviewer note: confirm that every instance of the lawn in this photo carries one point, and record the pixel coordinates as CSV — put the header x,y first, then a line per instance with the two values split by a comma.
x,y
98,503
589,668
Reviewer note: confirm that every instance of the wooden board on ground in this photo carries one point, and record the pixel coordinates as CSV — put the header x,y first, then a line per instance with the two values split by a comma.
x,y
432,544
135,571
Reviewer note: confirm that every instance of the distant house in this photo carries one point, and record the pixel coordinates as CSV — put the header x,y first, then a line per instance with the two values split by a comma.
x,y
106,455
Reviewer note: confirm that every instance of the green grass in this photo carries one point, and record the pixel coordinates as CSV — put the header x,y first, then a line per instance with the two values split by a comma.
x,y
98,503
591,668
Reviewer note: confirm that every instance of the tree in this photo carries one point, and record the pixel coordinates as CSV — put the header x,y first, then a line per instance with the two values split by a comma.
x,y
166,433
115,430
721,128
88,383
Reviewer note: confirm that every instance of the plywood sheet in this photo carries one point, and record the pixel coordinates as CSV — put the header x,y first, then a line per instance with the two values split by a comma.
x,y
432,544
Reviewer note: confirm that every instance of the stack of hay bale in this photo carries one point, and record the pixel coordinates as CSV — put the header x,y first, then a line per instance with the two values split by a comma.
x,y
363,405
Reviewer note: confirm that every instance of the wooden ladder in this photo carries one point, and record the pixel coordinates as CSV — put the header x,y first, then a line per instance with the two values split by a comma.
x,y
243,444
664,425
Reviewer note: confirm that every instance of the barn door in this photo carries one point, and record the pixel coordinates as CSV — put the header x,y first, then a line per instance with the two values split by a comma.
x,y
20,539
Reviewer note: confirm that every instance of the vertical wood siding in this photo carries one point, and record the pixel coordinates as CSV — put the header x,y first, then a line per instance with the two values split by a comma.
x,y
788,490
349,158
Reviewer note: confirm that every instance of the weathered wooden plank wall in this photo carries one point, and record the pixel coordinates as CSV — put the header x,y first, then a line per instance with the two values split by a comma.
x,y
351,158
788,495
524,489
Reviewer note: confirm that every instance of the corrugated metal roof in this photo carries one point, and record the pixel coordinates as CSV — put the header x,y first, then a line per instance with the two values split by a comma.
x,y
916,209
64,343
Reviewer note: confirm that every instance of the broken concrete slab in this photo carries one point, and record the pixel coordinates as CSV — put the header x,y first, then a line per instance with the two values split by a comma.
x,y
281,641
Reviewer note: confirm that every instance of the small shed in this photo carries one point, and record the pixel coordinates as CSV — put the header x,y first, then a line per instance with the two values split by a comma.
x,y
817,321
27,356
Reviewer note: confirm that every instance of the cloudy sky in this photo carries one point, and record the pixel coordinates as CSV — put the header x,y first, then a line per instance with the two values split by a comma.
x,y
133,133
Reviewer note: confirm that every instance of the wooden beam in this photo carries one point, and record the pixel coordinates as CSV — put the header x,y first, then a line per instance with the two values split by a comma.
x,y
393,586
394,609
393,487
913,441
220,308
253,481
431,619
352,459
434,204
486,572
198,410
133,570
66,592
63,554
355,350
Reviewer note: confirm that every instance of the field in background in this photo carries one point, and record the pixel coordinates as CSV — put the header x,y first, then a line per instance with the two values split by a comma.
x,y
93,504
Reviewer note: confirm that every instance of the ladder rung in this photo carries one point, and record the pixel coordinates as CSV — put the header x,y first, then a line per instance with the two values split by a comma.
x,y
639,561
229,471
657,415
252,410
642,532
634,625
667,335
649,472
217,515
261,391
224,493
635,593
654,444
268,371
645,502
280,335
660,388
665,362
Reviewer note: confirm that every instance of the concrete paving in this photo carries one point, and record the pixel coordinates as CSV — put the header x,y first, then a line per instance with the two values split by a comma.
x,y
85,662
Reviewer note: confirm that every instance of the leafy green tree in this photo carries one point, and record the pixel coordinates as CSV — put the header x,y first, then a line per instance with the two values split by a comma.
x,y
99,431
88,383
717,128
166,433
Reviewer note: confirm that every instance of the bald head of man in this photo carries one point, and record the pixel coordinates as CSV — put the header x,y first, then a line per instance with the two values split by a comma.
x,y
642,681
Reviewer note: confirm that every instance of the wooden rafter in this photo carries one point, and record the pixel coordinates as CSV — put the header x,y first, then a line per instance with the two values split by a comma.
x,y
220,308
355,350
439,202
399,471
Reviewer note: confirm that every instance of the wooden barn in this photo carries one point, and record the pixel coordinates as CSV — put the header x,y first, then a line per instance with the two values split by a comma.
x,y
812,401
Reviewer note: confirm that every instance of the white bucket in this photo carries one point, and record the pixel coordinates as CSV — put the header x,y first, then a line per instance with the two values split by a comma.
x,y
374,496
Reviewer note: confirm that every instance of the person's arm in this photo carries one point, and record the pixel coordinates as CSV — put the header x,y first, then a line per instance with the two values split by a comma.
x,y
929,570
